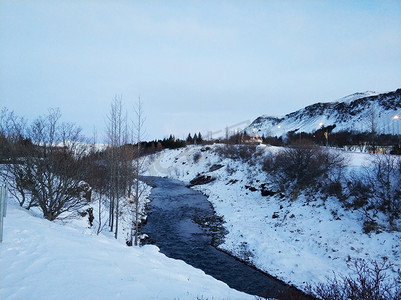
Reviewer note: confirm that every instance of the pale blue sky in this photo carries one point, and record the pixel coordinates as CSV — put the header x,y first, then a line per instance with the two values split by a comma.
x,y
197,65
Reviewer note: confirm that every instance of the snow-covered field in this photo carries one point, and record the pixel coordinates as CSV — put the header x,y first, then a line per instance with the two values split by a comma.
x,y
51,260
303,243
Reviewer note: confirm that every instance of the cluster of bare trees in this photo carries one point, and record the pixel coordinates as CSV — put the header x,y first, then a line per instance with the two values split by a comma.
x,y
48,164
43,163
124,166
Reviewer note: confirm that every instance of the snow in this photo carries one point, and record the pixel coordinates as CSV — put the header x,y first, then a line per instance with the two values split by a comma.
x,y
358,118
53,260
356,96
306,242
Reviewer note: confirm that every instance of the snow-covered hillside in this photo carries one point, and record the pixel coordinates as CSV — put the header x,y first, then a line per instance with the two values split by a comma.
x,y
40,259
298,241
353,112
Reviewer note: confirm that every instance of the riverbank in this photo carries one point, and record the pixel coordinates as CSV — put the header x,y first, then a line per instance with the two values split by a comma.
x,y
180,223
299,242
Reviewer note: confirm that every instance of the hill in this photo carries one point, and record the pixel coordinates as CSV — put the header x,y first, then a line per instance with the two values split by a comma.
x,y
355,112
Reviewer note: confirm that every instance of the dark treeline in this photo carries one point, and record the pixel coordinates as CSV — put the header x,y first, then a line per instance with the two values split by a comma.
x,y
150,147
366,141
341,139
195,140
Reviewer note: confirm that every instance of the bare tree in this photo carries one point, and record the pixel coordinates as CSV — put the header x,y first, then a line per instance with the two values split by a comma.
x,y
46,165
139,133
125,164
134,193
56,169
99,180
115,127
15,147
120,156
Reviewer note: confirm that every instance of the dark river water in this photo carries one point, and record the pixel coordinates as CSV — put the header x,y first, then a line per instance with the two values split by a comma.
x,y
174,216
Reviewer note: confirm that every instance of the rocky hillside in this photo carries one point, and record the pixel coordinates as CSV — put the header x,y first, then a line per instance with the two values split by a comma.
x,y
354,112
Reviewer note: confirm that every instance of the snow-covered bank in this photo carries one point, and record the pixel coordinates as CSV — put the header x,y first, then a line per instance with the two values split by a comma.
x,y
298,241
46,260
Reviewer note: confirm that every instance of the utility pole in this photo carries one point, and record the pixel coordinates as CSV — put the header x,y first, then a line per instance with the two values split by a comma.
x,y
3,209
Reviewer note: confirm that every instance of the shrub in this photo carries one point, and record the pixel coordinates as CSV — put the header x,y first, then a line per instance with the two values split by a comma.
x,y
334,188
368,280
243,152
369,226
386,180
197,157
359,192
303,166
396,150
377,190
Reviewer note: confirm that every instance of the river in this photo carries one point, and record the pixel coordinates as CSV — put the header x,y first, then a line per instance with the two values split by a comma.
x,y
176,224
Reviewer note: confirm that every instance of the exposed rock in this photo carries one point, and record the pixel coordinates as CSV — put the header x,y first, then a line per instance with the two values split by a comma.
x,y
265,191
215,167
251,188
201,179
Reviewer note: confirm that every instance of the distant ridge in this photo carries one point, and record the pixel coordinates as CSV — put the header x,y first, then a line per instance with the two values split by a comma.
x,y
351,113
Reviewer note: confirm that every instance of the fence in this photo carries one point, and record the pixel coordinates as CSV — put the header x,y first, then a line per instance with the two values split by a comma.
x,y
3,209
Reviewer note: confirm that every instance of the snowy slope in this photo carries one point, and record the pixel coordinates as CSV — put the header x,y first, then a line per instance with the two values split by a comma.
x,y
308,239
353,112
352,97
45,260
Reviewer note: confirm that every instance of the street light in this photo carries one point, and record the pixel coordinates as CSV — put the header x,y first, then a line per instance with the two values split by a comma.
x,y
396,118
326,134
